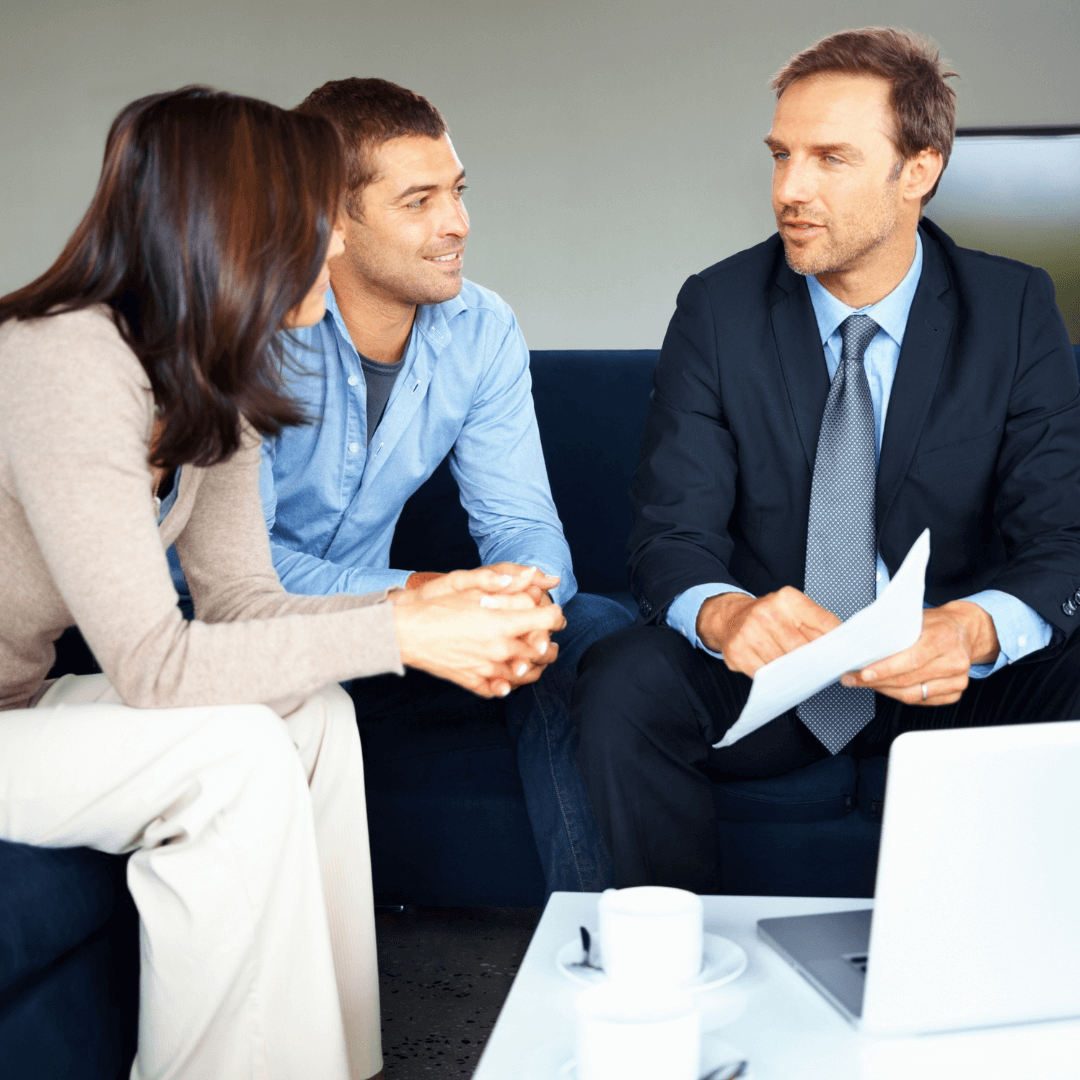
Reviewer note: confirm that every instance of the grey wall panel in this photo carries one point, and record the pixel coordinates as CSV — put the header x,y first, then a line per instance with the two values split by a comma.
x,y
613,146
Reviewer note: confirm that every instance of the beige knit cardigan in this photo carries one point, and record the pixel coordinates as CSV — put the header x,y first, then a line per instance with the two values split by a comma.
x,y
79,543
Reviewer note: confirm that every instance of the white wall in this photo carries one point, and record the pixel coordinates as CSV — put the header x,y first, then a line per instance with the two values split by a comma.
x,y
613,146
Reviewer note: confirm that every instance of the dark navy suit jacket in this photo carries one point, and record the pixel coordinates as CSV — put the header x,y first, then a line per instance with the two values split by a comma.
x,y
981,439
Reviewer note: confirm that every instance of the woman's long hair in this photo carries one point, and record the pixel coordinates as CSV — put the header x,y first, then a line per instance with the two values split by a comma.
x,y
211,221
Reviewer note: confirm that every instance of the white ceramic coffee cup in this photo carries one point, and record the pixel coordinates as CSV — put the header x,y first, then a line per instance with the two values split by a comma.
x,y
629,1033
651,934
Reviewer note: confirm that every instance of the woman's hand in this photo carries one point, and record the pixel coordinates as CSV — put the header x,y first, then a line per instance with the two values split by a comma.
x,y
486,642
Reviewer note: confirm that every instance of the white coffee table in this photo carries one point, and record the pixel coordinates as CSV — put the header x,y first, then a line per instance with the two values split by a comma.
x,y
770,1014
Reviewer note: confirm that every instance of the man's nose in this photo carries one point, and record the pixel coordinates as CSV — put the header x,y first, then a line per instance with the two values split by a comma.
x,y
793,183
455,220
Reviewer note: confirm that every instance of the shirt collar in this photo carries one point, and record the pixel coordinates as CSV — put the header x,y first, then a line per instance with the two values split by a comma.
x,y
432,320
333,315
890,313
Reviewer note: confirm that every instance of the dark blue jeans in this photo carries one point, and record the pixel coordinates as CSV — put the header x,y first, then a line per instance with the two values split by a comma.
x,y
538,719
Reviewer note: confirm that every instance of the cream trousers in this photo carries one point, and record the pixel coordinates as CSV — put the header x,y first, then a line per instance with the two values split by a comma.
x,y
250,870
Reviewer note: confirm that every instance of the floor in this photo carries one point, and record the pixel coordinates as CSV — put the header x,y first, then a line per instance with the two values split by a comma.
x,y
444,974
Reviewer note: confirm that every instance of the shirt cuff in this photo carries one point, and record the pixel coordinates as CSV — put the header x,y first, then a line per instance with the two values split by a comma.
x,y
1020,629
368,581
683,611
567,588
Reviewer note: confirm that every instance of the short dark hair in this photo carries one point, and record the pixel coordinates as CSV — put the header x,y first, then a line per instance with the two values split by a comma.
x,y
367,113
210,223
923,103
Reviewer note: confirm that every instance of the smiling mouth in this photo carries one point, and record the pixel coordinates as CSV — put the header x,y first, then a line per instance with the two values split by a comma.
x,y
453,256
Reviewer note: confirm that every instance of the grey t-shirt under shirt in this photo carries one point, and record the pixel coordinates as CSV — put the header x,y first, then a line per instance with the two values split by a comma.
x,y
379,380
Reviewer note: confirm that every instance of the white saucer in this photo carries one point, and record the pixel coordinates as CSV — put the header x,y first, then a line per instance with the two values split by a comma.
x,y
714,1053
723,962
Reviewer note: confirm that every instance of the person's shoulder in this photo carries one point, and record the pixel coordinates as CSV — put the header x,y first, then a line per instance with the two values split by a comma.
x,y
477,302
761,258
739,284
93,325
745,274
71,366
82,345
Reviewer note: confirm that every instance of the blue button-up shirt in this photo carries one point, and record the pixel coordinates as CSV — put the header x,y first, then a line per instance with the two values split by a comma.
x,y
332,498
1019,628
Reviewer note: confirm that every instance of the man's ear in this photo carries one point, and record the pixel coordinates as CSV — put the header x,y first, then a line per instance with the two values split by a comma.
x,y
920,174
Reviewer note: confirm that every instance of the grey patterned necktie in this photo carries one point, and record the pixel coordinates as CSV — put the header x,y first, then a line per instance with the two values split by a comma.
x,y
841,541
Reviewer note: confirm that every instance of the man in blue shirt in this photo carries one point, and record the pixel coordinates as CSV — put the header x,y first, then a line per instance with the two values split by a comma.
x,y
820,399
413,363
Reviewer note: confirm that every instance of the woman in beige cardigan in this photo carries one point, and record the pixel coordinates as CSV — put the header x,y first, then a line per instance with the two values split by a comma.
x,y
220,752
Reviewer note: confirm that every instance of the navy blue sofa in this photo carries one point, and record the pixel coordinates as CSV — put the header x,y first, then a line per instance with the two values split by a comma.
x,y
446,812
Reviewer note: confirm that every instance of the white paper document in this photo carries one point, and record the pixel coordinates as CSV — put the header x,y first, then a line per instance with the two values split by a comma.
x,y
889,625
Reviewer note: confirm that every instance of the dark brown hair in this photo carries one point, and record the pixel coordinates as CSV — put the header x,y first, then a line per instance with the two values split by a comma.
x,y
923,103
210,223
367,113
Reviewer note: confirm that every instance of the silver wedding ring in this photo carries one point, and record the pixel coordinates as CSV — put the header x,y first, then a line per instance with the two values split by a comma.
x,y
924,691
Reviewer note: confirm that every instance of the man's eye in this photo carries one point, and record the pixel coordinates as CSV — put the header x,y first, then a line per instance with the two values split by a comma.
x,y
417,204
461,189
832,160
780,155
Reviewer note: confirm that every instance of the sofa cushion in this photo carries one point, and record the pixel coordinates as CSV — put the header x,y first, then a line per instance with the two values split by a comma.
x,y
76,1019
820,792
50,899
591,408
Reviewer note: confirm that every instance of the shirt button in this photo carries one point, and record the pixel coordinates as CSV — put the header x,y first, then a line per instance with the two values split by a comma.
x,y
353,380
354,448
1022,640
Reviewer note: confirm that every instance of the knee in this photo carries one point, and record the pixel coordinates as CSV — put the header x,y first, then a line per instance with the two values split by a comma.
x,y
324,730
236,760
630,681
594,617
588,619
256,739
650,655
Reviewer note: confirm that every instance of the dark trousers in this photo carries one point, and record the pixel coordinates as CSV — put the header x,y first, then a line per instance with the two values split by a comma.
x,y
648,706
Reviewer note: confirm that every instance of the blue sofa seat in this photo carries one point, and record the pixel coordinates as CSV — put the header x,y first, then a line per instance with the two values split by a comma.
x,y
68,964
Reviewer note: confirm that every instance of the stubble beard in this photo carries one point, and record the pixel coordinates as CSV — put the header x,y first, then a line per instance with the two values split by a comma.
x,y
381,271
402,284
844,253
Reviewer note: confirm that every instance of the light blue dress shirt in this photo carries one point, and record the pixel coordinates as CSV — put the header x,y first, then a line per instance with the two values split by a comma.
x,y
1020,629
332,498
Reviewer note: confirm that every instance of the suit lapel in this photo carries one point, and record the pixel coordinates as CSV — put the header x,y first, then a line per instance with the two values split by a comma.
x,y
926,344
802,357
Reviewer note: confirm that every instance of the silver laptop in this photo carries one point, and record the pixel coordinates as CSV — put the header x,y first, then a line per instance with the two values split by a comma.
x,y
976,918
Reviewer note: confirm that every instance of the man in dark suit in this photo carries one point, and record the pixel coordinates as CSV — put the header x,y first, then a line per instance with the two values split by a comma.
x,y
820,399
